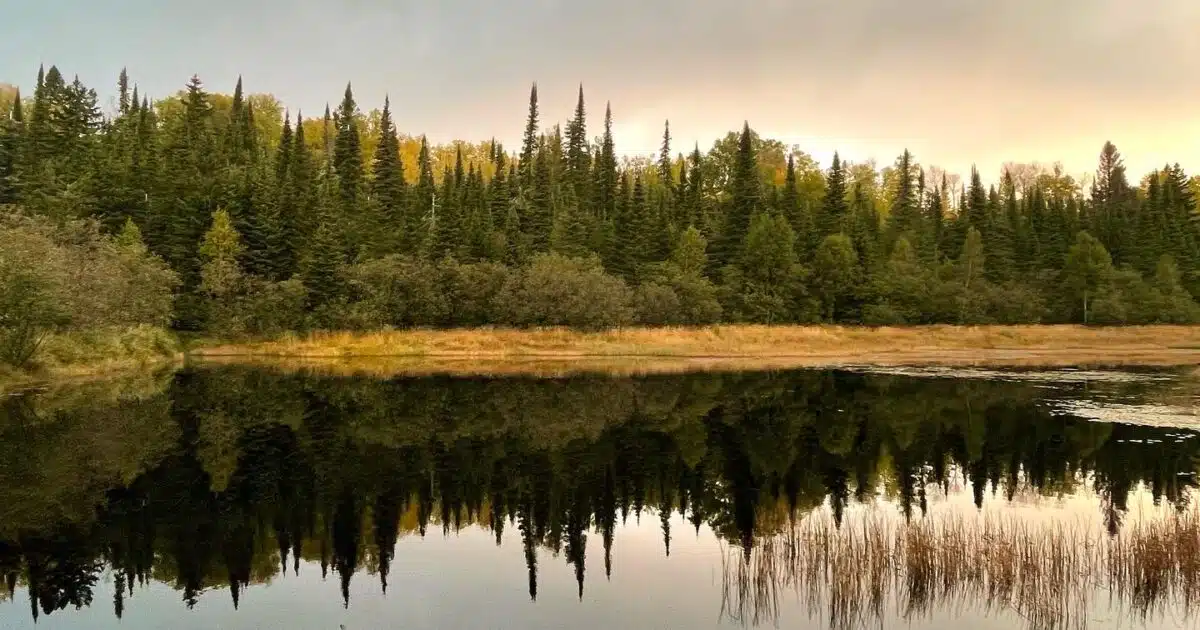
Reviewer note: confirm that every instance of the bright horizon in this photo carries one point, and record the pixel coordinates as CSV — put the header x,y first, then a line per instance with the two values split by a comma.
x,y
955,84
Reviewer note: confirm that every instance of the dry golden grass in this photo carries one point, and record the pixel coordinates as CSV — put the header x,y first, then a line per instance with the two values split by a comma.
x,y
74,358
1048,573
733,347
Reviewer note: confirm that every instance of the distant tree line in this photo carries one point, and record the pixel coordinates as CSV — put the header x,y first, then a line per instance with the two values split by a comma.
x,y
274,222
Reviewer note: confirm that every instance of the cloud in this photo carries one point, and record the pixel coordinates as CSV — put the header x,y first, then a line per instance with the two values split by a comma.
x,y
957,81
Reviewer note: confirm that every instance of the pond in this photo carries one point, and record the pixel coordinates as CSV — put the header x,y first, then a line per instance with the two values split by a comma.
x,y
233,497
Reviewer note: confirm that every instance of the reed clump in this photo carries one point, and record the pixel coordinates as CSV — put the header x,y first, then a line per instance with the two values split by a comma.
x,y
1051,574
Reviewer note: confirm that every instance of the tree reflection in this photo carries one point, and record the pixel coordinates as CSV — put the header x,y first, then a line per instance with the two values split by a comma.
x,y
255,468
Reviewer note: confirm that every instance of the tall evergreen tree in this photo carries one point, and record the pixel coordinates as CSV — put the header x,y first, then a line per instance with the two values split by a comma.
x,y
388,187
347,153
538,220
905,216
665,175
745,198
834,209
422,200
605,175
123,93
12,131
579,162
529,143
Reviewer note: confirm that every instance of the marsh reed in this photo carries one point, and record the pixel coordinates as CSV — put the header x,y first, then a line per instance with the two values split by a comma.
x,y
1052,574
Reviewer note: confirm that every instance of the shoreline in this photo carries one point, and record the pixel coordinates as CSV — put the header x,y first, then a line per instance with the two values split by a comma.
x,y
650,350
15,382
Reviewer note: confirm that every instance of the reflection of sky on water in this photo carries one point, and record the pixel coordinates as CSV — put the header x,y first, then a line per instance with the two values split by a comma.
x,y
464,580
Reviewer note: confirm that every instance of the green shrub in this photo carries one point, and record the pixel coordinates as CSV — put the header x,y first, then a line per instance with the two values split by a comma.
x,y
69,276
555,290
656,305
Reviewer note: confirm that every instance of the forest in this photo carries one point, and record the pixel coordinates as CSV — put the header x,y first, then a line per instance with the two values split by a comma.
x,y
230,214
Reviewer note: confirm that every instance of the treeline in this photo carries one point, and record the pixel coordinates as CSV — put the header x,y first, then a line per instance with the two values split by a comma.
x,y
275,222
239,474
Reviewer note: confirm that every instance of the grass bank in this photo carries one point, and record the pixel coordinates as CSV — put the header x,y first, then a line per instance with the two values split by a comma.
x,y
714,347
80,356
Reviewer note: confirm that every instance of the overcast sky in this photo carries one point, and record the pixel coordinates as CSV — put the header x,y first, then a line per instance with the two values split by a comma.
x,y
956,81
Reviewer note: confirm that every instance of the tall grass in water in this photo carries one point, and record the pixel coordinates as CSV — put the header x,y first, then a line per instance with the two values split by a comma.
x,y
1048,573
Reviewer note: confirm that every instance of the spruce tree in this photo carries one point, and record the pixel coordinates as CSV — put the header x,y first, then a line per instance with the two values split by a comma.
x,y
695,193
239,138
605,176
745,199
833,209
303,194
935,247
447,233
539,216
905,216
421,202
12,130
529,143
1109,216
190,176
319,269
388,187
499,198
347,154
579,162
665,175
123,93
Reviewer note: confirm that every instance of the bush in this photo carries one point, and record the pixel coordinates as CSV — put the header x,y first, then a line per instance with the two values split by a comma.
x,y
472,291
396,291
69,276
698,303
883,315
272,308
555,290
656,305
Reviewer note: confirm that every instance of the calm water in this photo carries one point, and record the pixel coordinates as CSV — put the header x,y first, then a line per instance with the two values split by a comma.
x,y
239,498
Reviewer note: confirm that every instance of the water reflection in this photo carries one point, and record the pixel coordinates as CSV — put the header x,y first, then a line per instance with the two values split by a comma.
x,y
224,478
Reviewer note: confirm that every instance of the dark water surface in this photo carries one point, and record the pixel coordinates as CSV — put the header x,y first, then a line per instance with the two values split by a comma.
x,y
249,498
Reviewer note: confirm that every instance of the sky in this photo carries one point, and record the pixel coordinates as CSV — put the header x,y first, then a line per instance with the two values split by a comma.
x,y
958,82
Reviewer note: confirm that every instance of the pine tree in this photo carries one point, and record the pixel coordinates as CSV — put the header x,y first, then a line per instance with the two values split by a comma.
x,y
239,140
303,193
665,175
499,197
790,207
123,92
319,269
12,131
905,217
539,218
529,144
974,213
188,183
695,193
421,202
388,188
834,209
935,247
347,154
579,162
605,176
745,199
447,235
1108,218
642,228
